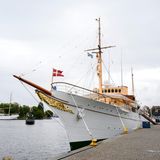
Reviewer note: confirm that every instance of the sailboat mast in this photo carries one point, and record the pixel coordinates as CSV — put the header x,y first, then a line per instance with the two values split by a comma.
x,y
99,57
10,100
132,81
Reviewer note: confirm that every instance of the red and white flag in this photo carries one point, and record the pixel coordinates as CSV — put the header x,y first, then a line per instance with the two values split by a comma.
x,y
57,72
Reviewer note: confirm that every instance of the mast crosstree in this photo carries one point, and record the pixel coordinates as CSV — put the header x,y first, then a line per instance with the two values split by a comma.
x,y
99,52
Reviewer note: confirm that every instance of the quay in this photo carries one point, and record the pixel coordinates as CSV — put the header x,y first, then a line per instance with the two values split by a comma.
x,y
142,144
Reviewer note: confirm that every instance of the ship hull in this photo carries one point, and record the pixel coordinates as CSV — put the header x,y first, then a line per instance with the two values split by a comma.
x,y
88,119
8,117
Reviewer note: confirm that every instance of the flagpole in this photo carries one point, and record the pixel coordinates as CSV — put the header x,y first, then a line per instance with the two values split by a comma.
x,y
52,79
56,73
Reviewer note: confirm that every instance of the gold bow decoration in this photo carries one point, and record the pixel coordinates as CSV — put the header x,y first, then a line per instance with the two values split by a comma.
x,y
52,102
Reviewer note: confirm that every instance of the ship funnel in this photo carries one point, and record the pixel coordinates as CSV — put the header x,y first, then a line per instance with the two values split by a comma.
x,y
33,85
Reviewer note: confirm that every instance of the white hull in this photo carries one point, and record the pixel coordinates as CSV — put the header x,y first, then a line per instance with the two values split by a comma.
x,y
101,126
99,120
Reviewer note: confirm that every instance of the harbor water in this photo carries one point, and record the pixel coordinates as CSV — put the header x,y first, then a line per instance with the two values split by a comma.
x,y
44,140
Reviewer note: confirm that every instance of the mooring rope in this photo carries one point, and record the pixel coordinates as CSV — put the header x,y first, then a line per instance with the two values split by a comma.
x,y
120,117
85,124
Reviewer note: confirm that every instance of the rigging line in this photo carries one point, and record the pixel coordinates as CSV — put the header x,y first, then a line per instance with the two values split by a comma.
x,y
87,78
30,92
85,124
77,60
91,68
92,76
108,72
65,48
80,79
38,101
33,70
72,66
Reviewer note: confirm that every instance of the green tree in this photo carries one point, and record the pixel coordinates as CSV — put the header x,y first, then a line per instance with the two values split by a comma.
x,y
40,106
23,111
37,113
14,108
6,108
48,114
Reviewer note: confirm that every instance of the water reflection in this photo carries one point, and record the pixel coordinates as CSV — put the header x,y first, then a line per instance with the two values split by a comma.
x,y
44,140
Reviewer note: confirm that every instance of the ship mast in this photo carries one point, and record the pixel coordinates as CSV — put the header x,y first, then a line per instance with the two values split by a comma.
x,y
99,57
99,52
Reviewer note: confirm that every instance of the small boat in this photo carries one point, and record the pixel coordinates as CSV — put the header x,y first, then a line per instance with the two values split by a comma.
x,y
30,119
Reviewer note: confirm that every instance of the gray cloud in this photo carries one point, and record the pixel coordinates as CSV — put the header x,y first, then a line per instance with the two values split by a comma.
x,y
58,32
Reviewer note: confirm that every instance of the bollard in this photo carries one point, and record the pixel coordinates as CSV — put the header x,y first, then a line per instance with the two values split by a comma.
x,y
93,142
125,130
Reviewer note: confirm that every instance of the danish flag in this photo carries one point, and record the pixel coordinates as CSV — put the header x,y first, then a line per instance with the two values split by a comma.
x,y
57,72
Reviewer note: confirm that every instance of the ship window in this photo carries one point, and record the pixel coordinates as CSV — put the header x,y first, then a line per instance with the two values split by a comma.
x,y
105,90
115,90
112,90
119,90
109,91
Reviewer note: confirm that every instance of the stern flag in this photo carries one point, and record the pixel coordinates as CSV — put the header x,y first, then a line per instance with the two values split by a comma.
x,y
57,73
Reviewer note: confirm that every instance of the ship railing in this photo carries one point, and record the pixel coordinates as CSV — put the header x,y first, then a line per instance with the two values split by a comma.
x,y
77,90
74,89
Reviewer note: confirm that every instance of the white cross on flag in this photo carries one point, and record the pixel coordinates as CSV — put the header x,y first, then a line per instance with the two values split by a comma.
x,y
57,72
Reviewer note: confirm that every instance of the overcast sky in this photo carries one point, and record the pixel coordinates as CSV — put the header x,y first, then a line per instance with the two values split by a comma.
x,y
41,34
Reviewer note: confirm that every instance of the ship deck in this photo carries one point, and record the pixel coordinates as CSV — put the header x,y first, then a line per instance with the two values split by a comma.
x,y
140,144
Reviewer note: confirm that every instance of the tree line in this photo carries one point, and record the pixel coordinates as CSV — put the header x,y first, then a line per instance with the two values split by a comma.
x,y
22,110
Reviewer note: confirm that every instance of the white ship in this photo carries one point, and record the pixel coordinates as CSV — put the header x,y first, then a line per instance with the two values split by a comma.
x,y
8,117
91,115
